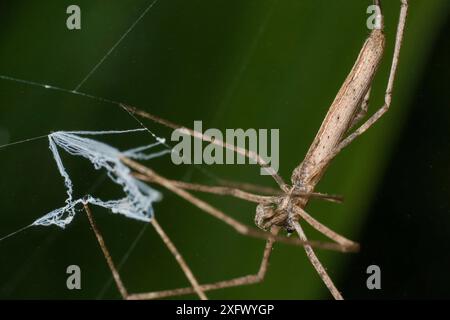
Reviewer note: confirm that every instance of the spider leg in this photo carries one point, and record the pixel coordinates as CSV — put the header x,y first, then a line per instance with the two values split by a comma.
x,y
117,278
183,265
226,191
238,193
317,264
198,135
235,282
325,230
218,214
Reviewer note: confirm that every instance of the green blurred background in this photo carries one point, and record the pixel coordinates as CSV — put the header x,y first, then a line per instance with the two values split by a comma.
x,y
231,64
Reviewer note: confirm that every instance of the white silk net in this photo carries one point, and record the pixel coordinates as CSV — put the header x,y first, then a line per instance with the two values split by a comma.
x,y
139,197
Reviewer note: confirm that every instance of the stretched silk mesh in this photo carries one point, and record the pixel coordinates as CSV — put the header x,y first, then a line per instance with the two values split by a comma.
x,y
139,197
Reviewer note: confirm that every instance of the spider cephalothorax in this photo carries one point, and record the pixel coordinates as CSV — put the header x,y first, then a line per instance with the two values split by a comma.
x,y
278,213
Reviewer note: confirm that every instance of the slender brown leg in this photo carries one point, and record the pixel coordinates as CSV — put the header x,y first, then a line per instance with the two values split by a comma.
x,y
264,190
183,265
317,264
198,135
325,230
101,242
215,190
237,193
236,225
167,242
240,281
249,187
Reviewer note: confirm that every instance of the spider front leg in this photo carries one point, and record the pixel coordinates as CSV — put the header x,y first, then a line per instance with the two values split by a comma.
x,y
198,135
218,214
238,193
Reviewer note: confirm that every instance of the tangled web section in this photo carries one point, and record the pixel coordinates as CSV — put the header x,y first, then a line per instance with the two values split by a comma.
x,y
139,197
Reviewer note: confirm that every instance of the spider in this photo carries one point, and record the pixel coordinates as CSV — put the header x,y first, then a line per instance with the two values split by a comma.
x,y
285,208
282,209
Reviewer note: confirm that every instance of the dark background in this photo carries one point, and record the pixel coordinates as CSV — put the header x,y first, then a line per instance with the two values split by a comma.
x,y
250,64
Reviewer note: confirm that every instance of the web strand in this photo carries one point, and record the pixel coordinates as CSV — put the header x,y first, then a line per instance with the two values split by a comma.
x,y
23,141
98,99
81,94
15,232
55,88
108,53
